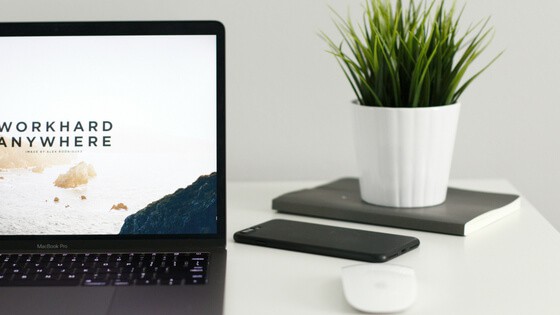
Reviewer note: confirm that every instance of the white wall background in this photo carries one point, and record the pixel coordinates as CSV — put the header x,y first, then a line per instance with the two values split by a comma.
x,y
288,112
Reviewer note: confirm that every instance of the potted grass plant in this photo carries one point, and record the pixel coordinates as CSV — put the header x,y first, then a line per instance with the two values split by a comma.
x,y
407,64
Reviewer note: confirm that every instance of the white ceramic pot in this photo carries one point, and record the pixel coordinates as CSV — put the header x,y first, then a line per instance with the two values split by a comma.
x,y
404,154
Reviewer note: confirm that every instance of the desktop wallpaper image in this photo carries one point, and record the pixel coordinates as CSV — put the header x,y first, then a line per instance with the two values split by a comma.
x,y
124,143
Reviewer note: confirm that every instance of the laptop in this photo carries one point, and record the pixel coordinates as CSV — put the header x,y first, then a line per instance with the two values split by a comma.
x,y
112,167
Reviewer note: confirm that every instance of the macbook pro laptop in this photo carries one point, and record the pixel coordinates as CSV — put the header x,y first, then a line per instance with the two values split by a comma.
x,y
112,168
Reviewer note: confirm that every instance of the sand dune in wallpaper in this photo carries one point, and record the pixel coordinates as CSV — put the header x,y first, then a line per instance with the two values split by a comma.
x,y
76,176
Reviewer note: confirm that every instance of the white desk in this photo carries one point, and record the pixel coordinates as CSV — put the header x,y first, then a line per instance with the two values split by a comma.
x,y
509,267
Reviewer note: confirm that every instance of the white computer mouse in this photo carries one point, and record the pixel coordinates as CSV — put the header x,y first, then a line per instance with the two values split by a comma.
x,y
379,288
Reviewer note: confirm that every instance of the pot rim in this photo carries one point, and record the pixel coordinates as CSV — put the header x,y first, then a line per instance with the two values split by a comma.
x,y
426,108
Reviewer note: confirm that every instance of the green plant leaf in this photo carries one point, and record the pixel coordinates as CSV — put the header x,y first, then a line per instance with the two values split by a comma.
x,y
409,56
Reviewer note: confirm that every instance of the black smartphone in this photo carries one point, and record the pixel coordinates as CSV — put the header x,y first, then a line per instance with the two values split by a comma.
x,y
327,240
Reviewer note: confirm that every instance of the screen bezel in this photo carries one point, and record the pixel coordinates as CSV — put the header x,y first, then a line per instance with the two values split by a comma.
x,y
138,241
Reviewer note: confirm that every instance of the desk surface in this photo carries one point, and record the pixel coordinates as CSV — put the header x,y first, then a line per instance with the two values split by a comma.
x,y
509,267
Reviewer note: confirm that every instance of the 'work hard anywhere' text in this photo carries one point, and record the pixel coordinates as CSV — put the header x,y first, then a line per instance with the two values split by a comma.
x,y
68,134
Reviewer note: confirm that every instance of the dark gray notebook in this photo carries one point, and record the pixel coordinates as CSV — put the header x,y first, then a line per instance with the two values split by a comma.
x,y
463,212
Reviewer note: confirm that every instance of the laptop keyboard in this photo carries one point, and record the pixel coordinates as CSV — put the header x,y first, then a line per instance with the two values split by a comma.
x,y
103,269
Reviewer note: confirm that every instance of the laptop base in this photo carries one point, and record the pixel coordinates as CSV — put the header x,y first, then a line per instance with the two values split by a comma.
x,y
185,299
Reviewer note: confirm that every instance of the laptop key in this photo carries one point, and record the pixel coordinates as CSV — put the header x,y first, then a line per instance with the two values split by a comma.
x,y
45,276
195,281
70,277
23,277
171,281
176,270
57,271
96,280
95,283
124,276
147,276
106,270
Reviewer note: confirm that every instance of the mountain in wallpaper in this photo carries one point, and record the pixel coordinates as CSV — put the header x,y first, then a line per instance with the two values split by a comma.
x,y
190,210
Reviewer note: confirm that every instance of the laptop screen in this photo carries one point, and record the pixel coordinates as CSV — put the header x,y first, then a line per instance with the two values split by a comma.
x,y
108,135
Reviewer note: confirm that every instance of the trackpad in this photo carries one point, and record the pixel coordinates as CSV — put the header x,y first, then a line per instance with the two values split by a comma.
x,y
169,300
56,300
